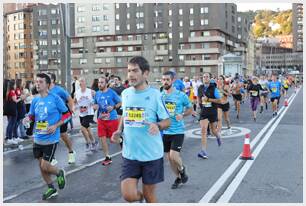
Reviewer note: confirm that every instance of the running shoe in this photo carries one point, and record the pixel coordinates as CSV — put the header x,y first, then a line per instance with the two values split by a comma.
x,y
107,161
202,154
183,174
71,157
51,192
177,183
61,180
94,146
87,147
53,162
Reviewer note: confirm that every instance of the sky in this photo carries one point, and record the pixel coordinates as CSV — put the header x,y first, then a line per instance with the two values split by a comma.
x,y
258,6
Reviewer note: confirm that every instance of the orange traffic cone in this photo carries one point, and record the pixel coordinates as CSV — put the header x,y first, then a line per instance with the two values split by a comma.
x,y
246,153
286,102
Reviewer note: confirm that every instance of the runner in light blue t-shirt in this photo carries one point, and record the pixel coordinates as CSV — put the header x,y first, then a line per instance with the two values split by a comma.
x,y
178,106
144,115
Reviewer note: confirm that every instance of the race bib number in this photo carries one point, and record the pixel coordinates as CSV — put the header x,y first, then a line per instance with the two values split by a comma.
x,y
42,127
206,104
274,89
171,106
134,117
254,93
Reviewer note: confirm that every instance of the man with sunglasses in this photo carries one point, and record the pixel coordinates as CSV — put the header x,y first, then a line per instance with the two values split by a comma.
x,y
208,98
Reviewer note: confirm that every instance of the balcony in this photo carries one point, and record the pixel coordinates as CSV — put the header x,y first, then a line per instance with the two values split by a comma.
x,y
201,62
77,45
161,52
118,43
118,54
238,49
76,56
207,39
199,51
161,41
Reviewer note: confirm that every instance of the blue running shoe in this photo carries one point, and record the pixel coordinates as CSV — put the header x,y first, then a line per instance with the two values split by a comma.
x,y
202,154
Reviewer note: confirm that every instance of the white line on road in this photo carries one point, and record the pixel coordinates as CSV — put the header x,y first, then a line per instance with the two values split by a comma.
x,y
229,171
67,173
231,189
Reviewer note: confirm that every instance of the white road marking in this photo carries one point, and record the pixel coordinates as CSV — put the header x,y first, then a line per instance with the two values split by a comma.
x,y
231,189
196,133
67,173
229,171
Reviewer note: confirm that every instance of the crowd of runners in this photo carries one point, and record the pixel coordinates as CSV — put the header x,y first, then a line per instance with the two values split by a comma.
x,y
147,123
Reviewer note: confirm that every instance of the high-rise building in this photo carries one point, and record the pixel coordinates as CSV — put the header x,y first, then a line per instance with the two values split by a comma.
x,y
297,27
190,38
18,44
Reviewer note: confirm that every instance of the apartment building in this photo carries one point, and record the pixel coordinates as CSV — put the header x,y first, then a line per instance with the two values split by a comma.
x,y
18,48
190,38
297,26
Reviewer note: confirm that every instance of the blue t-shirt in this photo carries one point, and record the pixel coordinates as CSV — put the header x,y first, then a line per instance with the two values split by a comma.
x,y
179,85
47,112
139,109
105,99
275,88
175,102
61,92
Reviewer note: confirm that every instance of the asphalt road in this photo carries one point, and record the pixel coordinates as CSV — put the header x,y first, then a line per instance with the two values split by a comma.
x,y
274,176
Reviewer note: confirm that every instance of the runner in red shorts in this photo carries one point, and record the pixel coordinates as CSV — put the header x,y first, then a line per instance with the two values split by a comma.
x,y
106,102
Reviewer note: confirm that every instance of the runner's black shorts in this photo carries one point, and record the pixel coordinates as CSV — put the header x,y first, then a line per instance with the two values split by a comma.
x,y
86,120
209,113
119,111
286,88
237,97
64,127
225,107
151,172
274,98
173,142
45,151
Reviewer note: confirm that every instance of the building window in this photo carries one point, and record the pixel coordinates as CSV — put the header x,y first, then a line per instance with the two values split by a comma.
x,y
206,57
96,18
128,27
191,10
139,5
43,43
119,49
81,19
42,32
106,28
83,61
81,9
181,35
105,7
206,10
239,19
117,16
128,5
96,28
170,12
117,6
139,26
192,34
119,60
130,37
53,11
117,27
130,48
81,29
205,45
205,21
128,15
239,36
182,70
43,61
206,33
55,42
20,26
181,57
107,60
105,17
98,60
96,7
170,35
53,22
170,24
191,23
202,22
181,12
180,23
42,12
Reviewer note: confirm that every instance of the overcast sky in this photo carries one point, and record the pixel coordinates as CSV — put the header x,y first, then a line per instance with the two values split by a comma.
x,y
258,6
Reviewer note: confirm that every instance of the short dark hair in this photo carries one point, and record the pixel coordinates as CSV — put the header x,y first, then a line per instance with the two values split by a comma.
x,y
44,76
169,73
141,62
52,76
